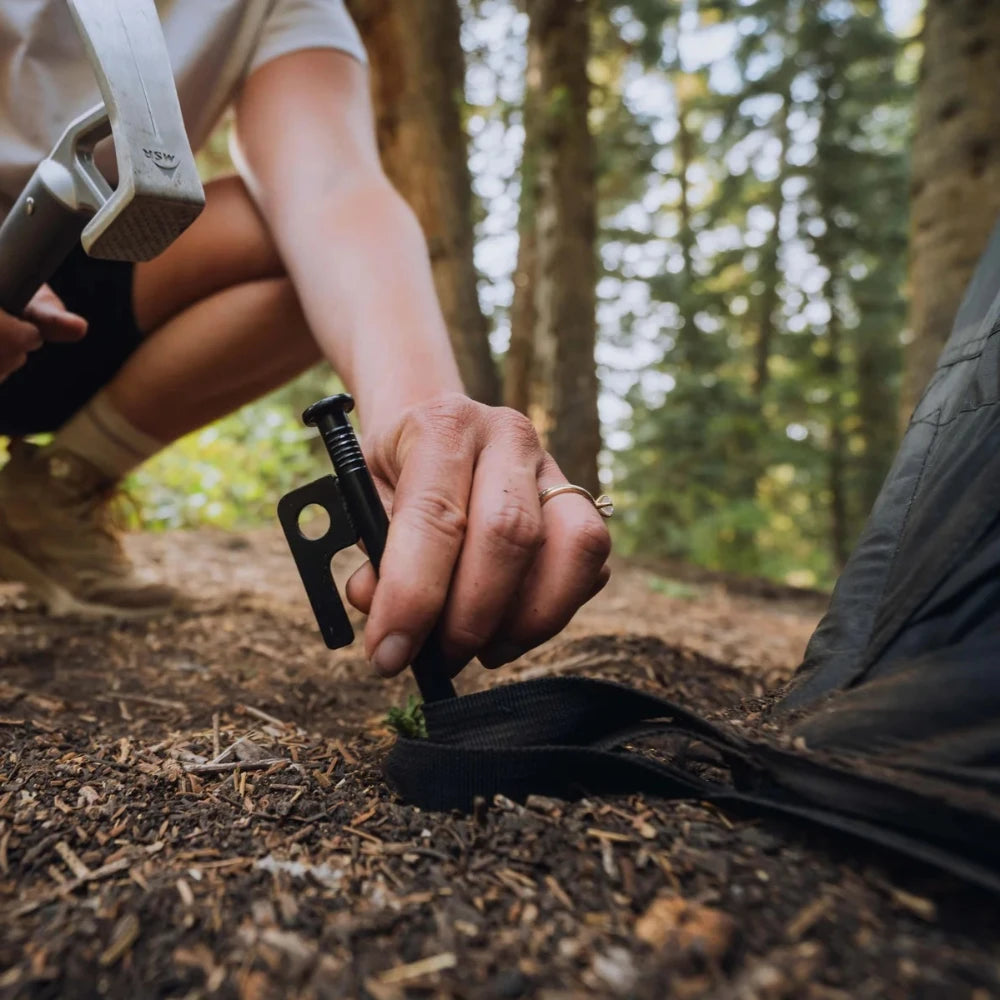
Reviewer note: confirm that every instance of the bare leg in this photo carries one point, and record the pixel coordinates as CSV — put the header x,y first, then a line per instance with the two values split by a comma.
x,y
224,323
224,326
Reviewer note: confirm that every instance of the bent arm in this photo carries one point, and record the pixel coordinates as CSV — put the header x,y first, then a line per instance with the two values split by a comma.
x,y
496,573
351,245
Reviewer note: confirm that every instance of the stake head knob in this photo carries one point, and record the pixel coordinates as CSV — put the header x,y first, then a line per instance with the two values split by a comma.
x,y
331,406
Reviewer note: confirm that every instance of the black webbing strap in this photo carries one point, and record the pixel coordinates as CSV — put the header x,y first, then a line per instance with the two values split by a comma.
x,y
566,737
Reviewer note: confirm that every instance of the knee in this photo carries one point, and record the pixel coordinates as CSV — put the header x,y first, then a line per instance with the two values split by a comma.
x,y
232,212
229,244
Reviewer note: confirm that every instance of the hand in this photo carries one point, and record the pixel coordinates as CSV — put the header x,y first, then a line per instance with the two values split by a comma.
x,y
469,545
45,319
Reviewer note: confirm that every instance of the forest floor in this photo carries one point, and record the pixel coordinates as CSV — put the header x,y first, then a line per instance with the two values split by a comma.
x,y
130,869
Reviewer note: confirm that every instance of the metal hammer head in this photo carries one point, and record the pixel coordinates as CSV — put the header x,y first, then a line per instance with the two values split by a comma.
x,y
159,193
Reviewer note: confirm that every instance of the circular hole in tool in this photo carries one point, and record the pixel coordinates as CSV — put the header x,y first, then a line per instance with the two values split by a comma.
x,y
314,521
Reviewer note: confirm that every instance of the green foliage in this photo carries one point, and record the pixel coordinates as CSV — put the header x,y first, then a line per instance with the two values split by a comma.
x,y
409,720
232,473
758,437
675,588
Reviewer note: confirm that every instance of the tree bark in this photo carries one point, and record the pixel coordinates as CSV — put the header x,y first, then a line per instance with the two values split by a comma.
x,y
770,268
839,527
876,409
418,77
686,348
566,234
956,173
521,389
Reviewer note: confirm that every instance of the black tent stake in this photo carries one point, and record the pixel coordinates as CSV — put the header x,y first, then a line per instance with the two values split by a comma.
x,y
356,514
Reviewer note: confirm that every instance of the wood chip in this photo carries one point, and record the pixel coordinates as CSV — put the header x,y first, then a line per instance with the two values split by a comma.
x,y
919,906
679,925
619,838
807,918
364,835
73,860
125,934
144,699
184,891
557,890
415,970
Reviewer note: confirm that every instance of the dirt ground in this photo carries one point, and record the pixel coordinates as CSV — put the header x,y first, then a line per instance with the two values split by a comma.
x,y
132,866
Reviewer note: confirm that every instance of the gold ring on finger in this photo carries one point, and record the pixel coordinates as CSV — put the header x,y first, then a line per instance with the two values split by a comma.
x,y
603,504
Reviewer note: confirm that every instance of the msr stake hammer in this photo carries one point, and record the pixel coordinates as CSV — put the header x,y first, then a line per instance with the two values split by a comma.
x,y
158,192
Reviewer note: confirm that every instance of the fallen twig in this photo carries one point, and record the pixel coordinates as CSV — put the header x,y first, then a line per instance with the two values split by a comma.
x,y
220,757
223,767
64,890
263,716
415,970
145,700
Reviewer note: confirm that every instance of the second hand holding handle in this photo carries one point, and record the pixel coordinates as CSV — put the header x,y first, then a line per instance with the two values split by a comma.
x,y
329,417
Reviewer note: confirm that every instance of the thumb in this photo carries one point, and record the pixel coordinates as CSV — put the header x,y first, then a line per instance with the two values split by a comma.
x,y
54,321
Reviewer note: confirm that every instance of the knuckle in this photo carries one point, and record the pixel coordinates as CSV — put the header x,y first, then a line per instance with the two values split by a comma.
x,y
436,514
593,542
519,427
446,422
548,623
465,637
450,414
513,527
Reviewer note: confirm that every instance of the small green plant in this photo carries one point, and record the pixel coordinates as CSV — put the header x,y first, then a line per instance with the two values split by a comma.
x,y
676,588
408,721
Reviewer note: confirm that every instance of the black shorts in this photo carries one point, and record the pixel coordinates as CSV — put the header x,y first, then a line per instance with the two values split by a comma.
x,y
59,378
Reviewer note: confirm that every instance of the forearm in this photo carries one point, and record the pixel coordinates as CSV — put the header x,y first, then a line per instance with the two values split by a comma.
x,y
359,263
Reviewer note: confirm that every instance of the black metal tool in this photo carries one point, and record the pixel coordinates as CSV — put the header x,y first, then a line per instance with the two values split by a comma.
x,y
356,515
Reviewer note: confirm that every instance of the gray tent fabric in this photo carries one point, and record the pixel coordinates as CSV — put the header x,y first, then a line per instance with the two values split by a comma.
x,y
917,608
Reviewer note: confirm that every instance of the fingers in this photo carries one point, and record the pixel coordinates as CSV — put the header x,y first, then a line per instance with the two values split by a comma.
x,y
505,534
17,338
435,453
471,553
571,568
54,322
361,588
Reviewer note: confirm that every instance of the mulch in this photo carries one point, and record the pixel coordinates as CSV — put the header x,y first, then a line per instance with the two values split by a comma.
x,y
195,808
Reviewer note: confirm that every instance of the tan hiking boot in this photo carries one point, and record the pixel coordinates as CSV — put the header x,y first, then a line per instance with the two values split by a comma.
x,y
57,538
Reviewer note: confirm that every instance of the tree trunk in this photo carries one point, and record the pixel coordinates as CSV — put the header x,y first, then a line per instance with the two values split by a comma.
x,y
876,413
521,390
840,542
956,173
770,269
686,348
566,234
418,78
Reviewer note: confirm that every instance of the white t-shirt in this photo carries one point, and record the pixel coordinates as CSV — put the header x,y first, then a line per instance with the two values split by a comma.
x,y
46,79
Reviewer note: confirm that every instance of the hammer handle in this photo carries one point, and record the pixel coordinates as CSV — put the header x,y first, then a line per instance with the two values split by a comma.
x,y
38,234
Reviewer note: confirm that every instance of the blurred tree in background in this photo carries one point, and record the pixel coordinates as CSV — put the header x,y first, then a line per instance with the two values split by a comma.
x,y
711,195
418,75
956,171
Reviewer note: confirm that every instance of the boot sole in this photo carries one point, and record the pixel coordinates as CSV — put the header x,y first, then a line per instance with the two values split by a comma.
x,y
58,601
